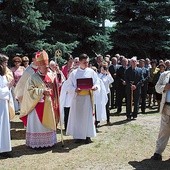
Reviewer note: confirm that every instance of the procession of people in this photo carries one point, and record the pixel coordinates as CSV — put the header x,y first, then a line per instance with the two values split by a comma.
x,y
79,96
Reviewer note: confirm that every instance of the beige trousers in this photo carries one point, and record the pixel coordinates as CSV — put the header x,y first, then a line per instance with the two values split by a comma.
x,y
164,132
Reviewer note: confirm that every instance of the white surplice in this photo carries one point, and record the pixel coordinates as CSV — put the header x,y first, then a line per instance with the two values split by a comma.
x,y
107,80
101,97
66,98
81,119
5,138
100,102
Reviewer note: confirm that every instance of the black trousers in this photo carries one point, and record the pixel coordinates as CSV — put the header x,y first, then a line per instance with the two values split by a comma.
x,y
136,97
121,93
107,108
66,114
143,97
96,122
113,96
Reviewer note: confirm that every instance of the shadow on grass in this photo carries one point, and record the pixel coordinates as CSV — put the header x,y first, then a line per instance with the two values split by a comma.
x,y
18,151
115,123
120,122
17,125
151,112
117,114
69,144
21,150
18,134
149,164
124,114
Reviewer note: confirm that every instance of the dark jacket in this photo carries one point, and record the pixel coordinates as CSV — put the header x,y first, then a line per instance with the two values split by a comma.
x,y
134,77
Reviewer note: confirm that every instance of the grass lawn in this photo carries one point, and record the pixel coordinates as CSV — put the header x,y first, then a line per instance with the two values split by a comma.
x,y
122,145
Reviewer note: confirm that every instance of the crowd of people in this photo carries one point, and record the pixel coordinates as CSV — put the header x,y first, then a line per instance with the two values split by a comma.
x,y
79,95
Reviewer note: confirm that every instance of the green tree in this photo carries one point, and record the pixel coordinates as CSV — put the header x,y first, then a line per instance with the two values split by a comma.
x,y
142,28
21,26
78,21
69,25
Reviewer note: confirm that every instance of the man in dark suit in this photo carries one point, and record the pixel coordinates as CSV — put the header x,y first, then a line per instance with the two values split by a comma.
x,y
98,63
121,84
113,69
134,80
144,87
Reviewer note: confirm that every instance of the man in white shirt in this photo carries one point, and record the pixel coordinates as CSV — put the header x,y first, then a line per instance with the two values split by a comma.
x,y
163,87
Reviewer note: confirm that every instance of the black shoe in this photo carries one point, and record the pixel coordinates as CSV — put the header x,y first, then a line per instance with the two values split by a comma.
x,y
143,112
88,140
157,157
128,119
134,117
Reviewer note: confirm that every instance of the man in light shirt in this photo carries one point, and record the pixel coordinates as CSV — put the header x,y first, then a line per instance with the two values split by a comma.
x,y
163,87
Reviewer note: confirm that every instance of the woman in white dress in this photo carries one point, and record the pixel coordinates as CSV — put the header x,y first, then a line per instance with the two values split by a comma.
x,y
5,137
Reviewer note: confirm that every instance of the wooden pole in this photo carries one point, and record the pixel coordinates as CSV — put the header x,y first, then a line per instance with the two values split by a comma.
x,y
57,95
